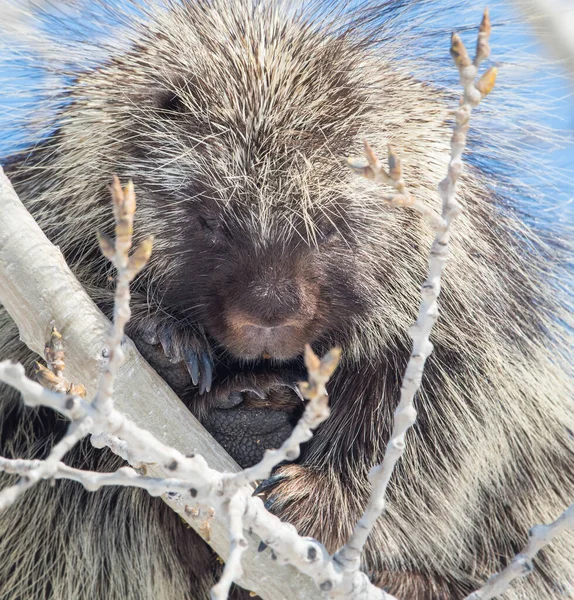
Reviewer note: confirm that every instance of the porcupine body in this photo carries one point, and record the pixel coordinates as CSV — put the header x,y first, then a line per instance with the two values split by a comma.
x,y
232,118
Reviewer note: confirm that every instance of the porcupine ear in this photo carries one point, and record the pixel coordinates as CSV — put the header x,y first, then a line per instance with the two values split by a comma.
x,y
171,102
181,94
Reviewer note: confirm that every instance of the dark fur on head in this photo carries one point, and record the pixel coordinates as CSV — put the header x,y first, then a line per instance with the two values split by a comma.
x,y
232,118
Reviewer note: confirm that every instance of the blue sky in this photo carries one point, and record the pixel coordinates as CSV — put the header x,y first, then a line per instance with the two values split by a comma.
x,y
557,90
527,74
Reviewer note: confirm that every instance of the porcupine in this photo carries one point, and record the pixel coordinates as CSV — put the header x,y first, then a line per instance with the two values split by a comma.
x,y
232,118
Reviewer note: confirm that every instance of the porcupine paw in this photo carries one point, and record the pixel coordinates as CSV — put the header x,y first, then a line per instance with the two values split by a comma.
x,y
177,351
247,416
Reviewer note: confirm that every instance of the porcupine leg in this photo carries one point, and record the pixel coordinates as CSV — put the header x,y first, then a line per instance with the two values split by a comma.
x,y
330,473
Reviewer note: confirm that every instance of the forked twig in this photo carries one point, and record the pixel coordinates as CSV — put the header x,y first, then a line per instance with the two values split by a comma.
x,y
405,414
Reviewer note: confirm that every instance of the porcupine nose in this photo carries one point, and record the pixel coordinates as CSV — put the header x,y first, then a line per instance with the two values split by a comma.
x,y
268,317
272,305
268,314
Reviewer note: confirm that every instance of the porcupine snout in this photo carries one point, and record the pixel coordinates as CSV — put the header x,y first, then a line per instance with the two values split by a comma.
x,y
270,315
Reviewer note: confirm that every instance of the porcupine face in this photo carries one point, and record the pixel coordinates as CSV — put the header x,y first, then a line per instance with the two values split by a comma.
x,y
238,171
261,293
235,152
260,290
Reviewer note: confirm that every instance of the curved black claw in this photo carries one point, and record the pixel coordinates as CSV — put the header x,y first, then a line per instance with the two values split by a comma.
x,y
167,343
207,373
200,369
192,364
268,484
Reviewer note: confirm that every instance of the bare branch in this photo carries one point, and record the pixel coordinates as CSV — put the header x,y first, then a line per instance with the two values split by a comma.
x,y
521,564
405,414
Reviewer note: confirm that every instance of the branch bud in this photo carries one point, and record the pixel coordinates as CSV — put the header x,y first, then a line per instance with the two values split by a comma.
x,y
486,83
458,52
139,259
106,246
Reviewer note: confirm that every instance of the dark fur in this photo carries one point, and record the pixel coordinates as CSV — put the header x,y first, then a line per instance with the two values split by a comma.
x,y
235,154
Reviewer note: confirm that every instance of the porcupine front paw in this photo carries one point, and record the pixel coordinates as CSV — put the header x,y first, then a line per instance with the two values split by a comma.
x,y
248,414
177,351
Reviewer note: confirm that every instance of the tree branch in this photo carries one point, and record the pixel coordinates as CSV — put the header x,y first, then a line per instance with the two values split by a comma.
x,y
405,414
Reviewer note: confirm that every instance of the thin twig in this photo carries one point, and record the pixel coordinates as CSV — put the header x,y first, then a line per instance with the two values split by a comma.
x,y
124,204
521,564
405,414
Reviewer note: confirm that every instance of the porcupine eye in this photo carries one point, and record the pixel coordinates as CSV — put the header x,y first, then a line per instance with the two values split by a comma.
x,y
170,103
208,225
214,230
